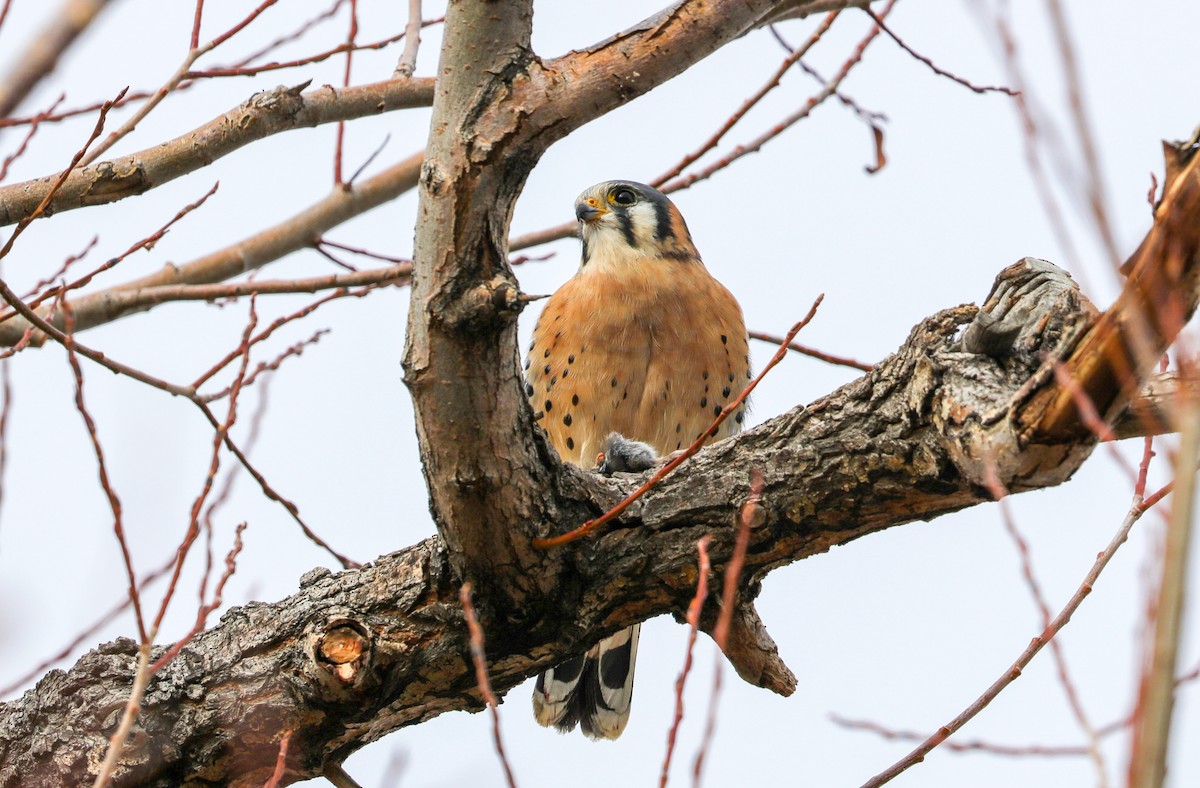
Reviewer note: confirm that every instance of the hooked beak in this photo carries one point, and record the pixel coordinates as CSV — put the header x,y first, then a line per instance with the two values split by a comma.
x,y
587,213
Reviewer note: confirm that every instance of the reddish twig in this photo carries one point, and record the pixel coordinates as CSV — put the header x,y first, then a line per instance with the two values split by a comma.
x,y
34,123
1014,671
58,274
992,481
214,464
242,70
116,743
364,252
693,620
679,459
772,83
481,677
270,366
37,212
114,502
206,608
829,358
966,746
338,154
145,243
749,511
87,634
280,762
756,144
940,72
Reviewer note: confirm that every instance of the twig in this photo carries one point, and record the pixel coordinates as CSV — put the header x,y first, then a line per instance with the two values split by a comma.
x,y
934,68
280,762
206,609
772,83
30,134
481,677
1156,698
116,744
214,464
693,620
412,41
110,494
813,352
338,154
1000,494
953,746
294,233
733,573
1014,671
679,459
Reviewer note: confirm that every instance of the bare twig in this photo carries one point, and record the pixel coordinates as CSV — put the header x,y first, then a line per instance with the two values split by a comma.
x,y
141,677
940,72
693,620
998,491
481,677
280,762
412,41
1135,512
1156,699
812,352
733,573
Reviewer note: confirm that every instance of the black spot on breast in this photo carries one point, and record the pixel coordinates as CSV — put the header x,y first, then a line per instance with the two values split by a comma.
x,y
553,380
625,394
567,419
678,427
730,377
725,391
574,399
704,402
546,354
548,406
678,445
527,361
571,359
614,382
724,339
528,389
570,444
716,410
740,417
704,374
546,370
565,373
532,343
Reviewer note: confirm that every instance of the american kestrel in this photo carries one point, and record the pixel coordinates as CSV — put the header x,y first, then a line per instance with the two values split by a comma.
x,y
645,343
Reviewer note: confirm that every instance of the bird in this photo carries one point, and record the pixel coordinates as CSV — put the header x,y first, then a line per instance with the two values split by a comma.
x,y
632,358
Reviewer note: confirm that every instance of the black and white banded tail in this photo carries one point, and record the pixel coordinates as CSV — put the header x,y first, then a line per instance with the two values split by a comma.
x,y
592,690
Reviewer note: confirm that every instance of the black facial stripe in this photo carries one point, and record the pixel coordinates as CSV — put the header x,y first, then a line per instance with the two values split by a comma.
x,y
626,223
662,213
586,254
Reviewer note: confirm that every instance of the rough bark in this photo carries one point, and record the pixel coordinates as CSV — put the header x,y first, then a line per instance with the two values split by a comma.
x,y
358,654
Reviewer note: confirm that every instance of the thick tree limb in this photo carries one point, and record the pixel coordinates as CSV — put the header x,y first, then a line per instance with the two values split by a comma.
x,y
356,655
263,114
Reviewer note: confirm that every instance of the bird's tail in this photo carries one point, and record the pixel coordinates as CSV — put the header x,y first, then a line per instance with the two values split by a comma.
x,y
593,690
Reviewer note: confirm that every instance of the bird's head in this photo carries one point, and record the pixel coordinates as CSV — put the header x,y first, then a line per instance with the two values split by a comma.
x,y
622,218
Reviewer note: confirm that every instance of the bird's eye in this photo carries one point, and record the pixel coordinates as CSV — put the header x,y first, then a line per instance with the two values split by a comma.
x,y
623,197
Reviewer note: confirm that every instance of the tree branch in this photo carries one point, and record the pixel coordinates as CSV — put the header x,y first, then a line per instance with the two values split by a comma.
x,y
263,114
891,447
